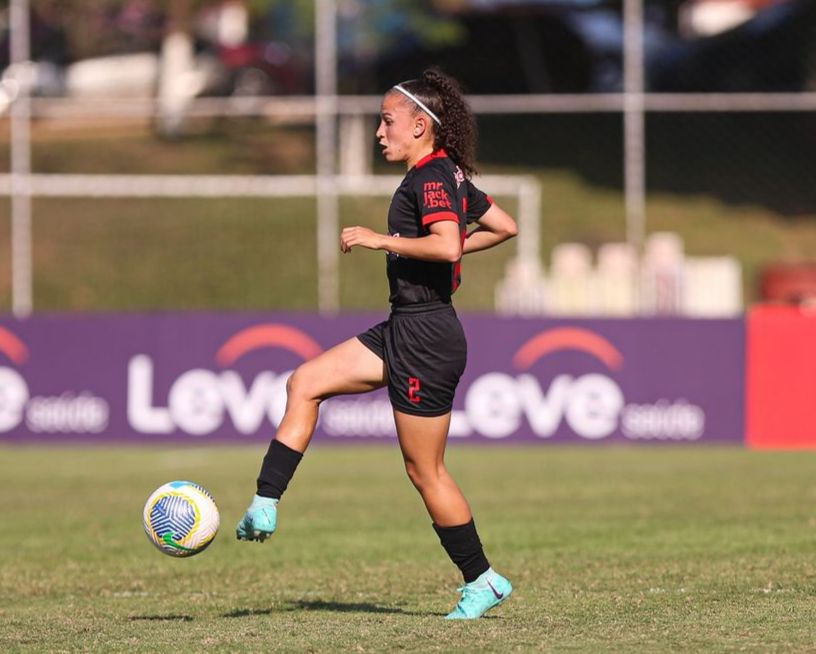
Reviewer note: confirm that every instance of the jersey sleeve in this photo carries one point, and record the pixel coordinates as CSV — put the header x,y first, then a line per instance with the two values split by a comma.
x,y
436,196
478,203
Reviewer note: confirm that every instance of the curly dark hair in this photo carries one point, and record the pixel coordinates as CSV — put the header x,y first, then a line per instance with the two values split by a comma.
x,y
457,134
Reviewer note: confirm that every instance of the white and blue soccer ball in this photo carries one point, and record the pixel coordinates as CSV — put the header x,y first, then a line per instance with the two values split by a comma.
x,y
181,518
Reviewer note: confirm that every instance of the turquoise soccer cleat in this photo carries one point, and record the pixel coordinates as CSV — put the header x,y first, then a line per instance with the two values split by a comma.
x,y
481,595
259,521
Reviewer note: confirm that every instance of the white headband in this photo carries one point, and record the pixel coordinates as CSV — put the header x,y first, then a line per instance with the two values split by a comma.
x,y
419,103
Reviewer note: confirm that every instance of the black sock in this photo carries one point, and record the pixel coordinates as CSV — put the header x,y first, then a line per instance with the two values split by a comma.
x,y
464,548
277,469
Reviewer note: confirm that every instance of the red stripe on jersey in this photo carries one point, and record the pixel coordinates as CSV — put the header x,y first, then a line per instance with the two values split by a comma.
x,y
456,280
439,154
490,200
439,216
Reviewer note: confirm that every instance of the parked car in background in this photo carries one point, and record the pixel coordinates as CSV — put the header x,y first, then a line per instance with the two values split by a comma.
x,y
258,68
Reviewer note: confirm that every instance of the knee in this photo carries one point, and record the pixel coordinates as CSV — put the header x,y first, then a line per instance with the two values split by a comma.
x,y
290,383
300,385
423,476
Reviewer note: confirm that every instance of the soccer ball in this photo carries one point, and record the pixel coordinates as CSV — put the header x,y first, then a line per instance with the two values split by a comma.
x,y
181,518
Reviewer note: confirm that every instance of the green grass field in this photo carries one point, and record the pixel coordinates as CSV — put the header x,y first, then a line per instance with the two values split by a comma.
x,y
610,549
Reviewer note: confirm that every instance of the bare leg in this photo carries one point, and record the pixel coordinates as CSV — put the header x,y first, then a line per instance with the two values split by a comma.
x,y
349,367
346,368
422,441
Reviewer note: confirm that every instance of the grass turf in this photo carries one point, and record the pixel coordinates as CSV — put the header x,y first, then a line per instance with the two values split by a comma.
x,y
610,549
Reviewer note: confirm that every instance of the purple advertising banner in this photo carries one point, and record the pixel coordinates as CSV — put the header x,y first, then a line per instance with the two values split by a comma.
x,y
220,377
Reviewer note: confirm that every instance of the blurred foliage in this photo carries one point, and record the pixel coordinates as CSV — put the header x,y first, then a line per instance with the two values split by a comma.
x,y
370,31
102,27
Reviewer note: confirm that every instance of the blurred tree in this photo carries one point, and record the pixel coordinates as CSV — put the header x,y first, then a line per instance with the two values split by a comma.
x,y
292,18
366,27
101,27
369,30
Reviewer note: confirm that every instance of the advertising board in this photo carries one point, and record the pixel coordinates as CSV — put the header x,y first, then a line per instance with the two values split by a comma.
x,y
781,378
202,377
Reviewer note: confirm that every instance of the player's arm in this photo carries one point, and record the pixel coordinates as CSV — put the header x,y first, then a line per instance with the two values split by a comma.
x,y
495,226
442,244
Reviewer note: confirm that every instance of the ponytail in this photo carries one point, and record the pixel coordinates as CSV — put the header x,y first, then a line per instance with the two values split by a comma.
x,y
454,125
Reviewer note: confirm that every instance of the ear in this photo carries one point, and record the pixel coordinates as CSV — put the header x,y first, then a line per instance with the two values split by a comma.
x,y
420,127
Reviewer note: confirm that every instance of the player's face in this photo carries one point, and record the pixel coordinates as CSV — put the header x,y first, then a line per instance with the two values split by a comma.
x,y
396,133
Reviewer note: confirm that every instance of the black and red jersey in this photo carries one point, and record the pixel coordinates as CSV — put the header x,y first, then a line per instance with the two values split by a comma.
x,y
434,189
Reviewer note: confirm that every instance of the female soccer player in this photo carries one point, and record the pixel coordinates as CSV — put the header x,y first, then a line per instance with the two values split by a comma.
x,y
420,351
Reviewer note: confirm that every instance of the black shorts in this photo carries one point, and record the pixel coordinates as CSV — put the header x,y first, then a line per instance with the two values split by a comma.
x,y
425,352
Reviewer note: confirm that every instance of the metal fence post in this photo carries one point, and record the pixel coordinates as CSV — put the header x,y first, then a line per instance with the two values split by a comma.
x,y
634,150
328,299
21,275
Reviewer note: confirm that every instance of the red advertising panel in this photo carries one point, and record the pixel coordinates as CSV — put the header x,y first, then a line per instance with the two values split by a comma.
x,y
781,378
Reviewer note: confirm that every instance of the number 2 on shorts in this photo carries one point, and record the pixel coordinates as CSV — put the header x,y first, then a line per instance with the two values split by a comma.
x,y
414,388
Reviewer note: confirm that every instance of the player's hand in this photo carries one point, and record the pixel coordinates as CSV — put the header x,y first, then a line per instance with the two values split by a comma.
x,y
362,236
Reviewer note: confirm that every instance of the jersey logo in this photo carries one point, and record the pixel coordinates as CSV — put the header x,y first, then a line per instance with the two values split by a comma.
x,y
459,176
435,197
413,388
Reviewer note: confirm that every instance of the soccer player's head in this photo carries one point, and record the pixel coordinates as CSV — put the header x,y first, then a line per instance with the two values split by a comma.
x,y
430,110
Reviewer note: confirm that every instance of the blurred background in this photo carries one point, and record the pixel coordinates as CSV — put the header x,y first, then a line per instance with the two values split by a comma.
x,y
200,154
